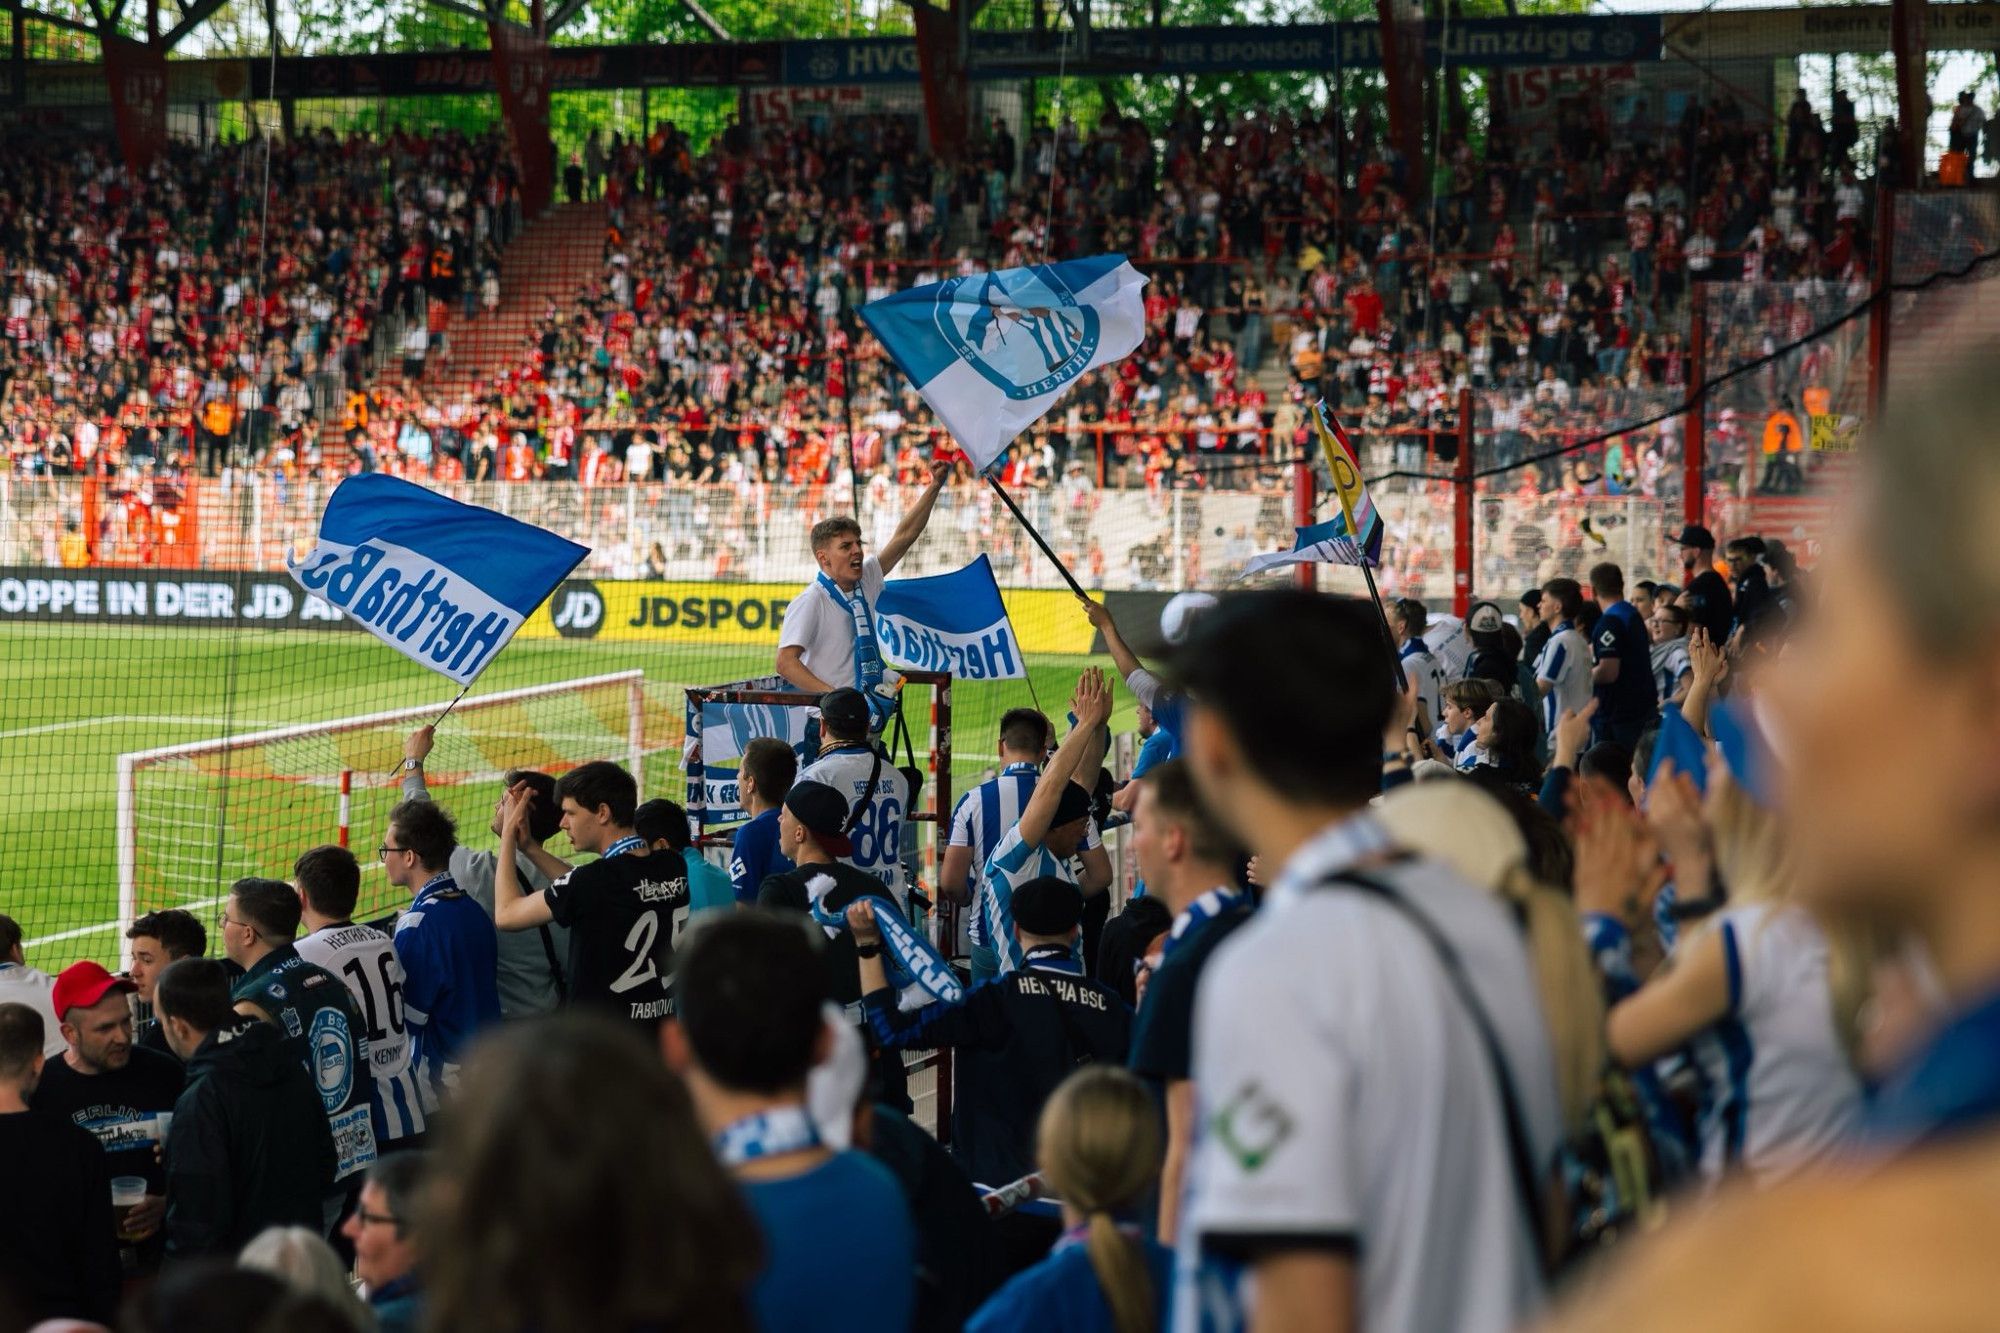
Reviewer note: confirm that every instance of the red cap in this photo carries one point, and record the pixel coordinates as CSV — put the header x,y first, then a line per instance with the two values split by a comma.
x,y
81,985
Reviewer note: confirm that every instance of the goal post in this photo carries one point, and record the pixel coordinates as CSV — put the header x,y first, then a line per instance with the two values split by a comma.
x,y
194,818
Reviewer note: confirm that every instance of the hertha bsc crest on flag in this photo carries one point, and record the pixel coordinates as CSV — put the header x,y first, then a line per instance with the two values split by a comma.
x,y
1021,328
991,352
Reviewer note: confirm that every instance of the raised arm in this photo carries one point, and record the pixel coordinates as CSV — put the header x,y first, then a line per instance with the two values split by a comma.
x,y
1092,705
417,748
1122,655
513,910
912,527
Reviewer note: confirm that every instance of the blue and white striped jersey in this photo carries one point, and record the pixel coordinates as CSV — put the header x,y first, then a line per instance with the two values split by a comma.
x,y
365,961
989,813
1565,662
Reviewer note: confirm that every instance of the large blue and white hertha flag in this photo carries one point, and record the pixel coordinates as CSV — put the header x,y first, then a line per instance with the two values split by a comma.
x,y
718,733
993,351
1325,543
443,583
950,622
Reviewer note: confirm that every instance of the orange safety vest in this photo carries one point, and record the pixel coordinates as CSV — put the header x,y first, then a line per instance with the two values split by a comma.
x,y
218,416
1782,434
441,262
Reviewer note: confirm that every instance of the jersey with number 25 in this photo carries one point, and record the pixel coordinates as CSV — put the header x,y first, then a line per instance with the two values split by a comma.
x,y
877,834
624,914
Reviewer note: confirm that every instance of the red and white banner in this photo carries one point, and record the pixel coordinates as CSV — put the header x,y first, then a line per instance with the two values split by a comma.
x,y
521,72
137,77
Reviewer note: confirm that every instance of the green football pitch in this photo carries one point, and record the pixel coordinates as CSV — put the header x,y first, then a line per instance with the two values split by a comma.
x,y
77,697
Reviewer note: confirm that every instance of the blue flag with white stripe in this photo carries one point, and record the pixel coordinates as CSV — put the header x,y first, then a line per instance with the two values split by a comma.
x,y
991,352
949,622
1327,543
443,583
718,733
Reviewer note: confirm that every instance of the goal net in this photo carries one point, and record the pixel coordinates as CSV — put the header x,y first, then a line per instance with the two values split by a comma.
x,y
192,819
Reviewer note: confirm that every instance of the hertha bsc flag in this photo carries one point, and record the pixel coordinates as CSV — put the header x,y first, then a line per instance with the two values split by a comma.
x,y
443,583
949,622
1323,543
992,352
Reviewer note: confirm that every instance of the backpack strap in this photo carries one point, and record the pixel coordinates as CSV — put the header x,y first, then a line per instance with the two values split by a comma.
x,y
1520,1154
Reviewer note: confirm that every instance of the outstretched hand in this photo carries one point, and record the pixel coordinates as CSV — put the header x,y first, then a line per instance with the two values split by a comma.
x,y
1091,701
514,808
419,742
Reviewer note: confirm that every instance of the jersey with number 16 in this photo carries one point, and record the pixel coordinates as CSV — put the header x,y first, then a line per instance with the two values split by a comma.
x,y
625,914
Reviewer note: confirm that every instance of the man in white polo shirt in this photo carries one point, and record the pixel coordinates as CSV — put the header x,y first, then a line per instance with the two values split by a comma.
x,y
1368,1047
828,639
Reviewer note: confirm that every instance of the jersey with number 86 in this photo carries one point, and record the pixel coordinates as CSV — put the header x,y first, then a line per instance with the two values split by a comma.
x,y
877,830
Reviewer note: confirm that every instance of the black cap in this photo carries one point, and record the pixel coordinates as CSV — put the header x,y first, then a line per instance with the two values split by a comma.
x,y
844,711
1124,942
822,812
1074,805
1694,534
1048,905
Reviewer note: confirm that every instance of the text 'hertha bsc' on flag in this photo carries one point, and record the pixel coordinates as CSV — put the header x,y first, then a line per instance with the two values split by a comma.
x,y
949,622
992,352
443,583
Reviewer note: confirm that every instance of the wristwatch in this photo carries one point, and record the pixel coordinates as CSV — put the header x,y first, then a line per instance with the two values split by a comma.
x,y
411,765
867,951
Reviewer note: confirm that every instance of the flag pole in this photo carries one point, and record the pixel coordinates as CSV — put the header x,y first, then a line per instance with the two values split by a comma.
x,y
1022,519
1382,618
463,691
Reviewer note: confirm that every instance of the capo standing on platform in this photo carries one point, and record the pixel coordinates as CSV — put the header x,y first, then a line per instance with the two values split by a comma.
x,y
829,635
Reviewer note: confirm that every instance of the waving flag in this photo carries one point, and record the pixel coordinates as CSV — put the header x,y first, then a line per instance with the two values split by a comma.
x,y
443,583
1325,543
1343,466
950,622
993,351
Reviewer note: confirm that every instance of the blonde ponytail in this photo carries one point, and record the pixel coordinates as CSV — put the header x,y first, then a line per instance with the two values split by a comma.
x,y
1120,1264
1100,1144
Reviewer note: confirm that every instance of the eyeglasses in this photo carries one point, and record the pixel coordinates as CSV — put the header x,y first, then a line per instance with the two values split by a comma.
x,y
382,852
377,1219
224,919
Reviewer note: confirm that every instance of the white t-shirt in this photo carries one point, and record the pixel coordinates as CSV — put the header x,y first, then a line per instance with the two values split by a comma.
x,y
878,834
1346,1098
1426,676
1782,1093
1566,662
825,629
365,960
24,985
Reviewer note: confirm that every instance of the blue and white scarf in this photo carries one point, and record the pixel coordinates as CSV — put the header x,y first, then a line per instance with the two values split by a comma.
x,y
919,974
774,1133
867,653
1200,912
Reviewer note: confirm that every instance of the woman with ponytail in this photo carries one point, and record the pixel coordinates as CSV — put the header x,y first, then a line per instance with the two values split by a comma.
x,y
1099,1145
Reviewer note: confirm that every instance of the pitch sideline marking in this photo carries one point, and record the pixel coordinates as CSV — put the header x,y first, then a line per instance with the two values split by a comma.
x,y
124,719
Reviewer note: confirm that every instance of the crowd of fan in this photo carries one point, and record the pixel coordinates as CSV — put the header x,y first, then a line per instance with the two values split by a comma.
x,y
150,329
1447,984
718,334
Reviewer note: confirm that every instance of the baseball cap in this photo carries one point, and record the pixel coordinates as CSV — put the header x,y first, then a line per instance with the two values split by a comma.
x,y
1048,905
1074,805
844,711
822,812
1694,534
1485,619
81,985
